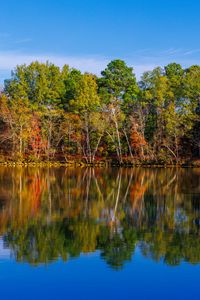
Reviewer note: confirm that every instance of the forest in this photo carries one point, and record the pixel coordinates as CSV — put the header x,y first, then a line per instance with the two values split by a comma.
x,y
48,113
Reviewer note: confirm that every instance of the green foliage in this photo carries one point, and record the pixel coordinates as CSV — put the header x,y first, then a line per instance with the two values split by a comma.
x,y
163,109
40,83
86,97
118,82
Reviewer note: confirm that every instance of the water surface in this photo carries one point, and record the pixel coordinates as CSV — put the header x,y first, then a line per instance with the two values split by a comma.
x,y
99,233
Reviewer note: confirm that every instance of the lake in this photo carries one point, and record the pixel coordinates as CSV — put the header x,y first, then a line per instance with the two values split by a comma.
x,y
129,233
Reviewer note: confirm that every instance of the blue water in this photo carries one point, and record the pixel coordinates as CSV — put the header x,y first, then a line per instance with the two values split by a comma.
x,y
89,278
71,243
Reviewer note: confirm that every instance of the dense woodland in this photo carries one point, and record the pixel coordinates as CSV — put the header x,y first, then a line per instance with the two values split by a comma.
x,y
51,114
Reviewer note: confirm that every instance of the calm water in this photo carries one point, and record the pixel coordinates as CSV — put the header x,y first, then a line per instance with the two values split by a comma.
x,y
99,233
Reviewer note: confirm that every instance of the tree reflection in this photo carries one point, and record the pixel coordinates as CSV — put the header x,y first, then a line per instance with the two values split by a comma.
x,y
47,214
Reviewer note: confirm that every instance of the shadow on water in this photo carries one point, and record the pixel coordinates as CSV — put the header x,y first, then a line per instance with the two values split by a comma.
x,y
46,214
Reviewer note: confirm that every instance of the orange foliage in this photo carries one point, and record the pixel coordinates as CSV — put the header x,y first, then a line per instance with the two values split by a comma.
x,y
36,144
137,141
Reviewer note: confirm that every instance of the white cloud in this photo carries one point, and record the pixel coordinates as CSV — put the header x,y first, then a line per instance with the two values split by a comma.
x,y
141,68
21,41
8,61
190,52
94,63
171,51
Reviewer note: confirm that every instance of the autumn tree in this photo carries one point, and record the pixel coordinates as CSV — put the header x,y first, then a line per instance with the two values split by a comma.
x,y
49,112
16,114
86,102
118,90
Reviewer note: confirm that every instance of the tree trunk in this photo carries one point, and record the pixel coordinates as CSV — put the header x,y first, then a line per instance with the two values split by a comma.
x,y
97,145
20,142
49,139
88,150
118,135
129,146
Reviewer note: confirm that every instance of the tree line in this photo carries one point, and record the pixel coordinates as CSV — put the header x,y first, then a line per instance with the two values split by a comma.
x,y
52,113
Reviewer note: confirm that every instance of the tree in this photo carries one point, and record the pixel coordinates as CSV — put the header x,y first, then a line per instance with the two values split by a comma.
x,y
16,114
86,101
118,90
72,81
51,112
191,85
37,143
41,83
118,83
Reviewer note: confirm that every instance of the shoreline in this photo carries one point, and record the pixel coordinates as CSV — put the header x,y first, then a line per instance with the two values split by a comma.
x,y
100,164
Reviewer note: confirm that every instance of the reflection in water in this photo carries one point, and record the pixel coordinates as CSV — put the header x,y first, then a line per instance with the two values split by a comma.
x,y
46,214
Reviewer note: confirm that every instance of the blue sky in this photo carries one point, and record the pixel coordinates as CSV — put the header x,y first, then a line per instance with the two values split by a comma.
x,y
87,34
